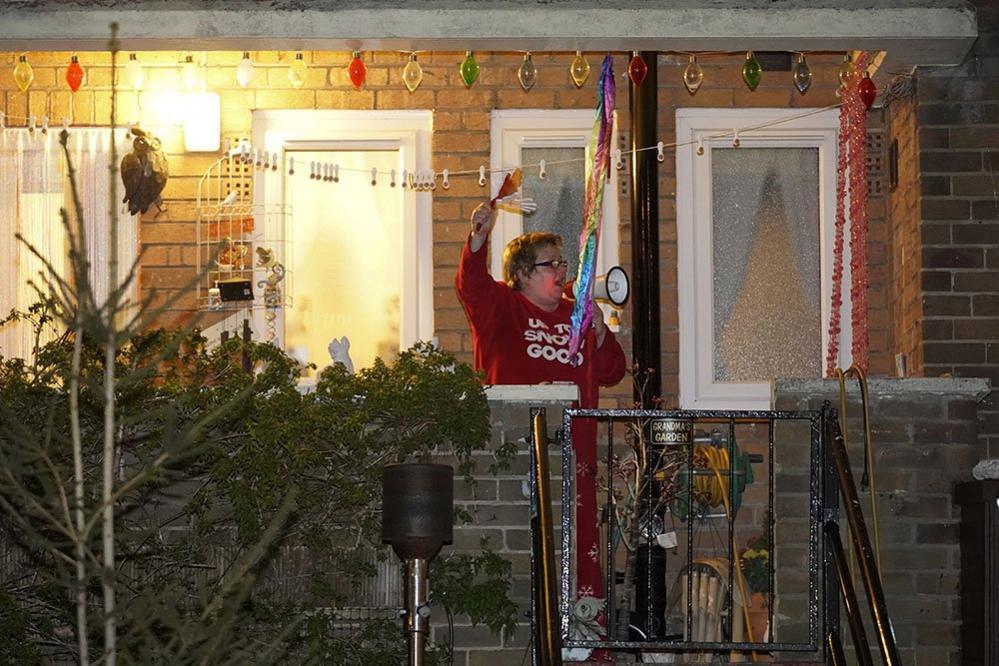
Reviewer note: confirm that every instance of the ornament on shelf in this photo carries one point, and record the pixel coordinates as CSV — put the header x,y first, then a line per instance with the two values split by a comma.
x,y
412,73
232,257
189,73
244,70
469,69
528,73
579,70
845,71
136,75
867,90
74,74
23,74
637,69
356,70
297,71
751,71
802,74
693,75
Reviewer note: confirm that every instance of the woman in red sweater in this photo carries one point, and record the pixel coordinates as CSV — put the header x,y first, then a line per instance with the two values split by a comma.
x,y
520,331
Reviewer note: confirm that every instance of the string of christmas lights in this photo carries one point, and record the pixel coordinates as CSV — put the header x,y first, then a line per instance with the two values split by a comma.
x,y
412,71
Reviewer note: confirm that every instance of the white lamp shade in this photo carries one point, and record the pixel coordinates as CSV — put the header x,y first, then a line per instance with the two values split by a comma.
x,y
202,122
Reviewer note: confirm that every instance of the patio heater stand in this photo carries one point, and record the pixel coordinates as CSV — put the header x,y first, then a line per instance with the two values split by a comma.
x,y
417,510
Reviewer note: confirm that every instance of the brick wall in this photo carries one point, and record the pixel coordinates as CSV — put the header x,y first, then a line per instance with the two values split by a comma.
x,y
502,516
957,138
906,254
461,141
925,439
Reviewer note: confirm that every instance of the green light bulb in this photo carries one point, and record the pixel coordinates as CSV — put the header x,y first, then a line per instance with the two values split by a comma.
x,y
751,71
469,69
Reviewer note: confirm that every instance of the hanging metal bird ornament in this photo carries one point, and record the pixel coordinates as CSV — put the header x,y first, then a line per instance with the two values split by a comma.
x,y
144,172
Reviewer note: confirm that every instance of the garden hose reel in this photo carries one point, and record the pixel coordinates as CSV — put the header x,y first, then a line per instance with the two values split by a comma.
x,y
707,484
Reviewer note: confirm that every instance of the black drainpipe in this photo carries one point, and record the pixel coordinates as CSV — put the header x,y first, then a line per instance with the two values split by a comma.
x,y
645,234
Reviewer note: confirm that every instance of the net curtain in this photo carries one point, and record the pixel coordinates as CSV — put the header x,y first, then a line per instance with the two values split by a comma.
x,y
34,186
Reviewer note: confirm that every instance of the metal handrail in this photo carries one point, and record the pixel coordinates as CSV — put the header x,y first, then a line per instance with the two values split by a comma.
x,y
867,480
835,648
547,640
863,549
848,594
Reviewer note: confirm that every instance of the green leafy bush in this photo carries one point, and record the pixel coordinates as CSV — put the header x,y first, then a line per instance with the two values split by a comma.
x,y
263,470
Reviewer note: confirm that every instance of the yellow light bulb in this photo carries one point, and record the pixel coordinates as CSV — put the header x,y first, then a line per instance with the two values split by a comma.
x,y
297,71
412,73
189,73
244,71
23,75
136,75
579,70
845,71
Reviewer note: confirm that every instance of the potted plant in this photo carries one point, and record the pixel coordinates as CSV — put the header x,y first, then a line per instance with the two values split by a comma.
x,y
754,561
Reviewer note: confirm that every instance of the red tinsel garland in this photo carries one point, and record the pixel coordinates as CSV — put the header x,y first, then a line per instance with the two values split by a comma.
x,y
852,162
858,220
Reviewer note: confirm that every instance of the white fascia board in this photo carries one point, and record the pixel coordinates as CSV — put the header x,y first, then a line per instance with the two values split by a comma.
x,y
913,33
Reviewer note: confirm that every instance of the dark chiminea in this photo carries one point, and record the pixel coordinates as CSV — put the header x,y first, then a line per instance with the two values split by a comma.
x,y
417,519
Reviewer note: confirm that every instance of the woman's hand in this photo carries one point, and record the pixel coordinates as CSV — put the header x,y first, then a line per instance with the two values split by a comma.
x,y
599,326
483,220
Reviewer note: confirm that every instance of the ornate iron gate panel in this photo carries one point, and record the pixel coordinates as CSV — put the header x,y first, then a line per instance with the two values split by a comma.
x,y
691,503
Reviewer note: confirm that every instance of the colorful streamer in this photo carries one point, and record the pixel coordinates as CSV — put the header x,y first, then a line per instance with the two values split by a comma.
x,y
596,175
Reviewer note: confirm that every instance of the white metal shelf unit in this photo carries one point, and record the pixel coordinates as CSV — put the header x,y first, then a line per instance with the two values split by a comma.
x,y
244,248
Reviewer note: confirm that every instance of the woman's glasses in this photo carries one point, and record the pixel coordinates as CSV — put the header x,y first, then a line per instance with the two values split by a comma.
x,y
555,264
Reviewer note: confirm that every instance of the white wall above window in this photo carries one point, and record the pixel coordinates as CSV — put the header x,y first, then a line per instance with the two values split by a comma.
x,y
755,235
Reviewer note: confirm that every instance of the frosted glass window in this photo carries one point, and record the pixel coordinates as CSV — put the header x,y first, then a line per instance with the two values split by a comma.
x,y
766,256
559,196
347,261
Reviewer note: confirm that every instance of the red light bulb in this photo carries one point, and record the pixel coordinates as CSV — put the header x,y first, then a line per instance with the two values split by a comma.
x,y
867,90
637,69
74,74
357,71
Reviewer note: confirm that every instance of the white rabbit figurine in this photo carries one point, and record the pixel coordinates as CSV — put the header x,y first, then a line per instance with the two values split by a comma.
x,y
340,353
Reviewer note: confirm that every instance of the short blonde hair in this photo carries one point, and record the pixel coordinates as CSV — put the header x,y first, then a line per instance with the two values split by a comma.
x,y
521,253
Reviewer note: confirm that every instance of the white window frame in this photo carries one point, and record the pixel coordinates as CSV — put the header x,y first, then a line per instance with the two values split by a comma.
x,y
410,132
513,130
698,388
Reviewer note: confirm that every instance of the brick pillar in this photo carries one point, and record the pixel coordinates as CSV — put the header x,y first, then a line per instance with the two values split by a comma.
x,y
925,440
957,134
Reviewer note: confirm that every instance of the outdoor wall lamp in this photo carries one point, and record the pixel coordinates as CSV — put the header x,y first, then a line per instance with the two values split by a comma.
x,y
202,122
